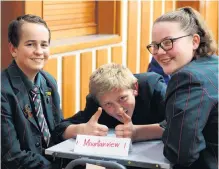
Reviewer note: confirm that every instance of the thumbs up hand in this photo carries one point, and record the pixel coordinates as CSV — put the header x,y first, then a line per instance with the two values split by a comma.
x,y
92,127
126,130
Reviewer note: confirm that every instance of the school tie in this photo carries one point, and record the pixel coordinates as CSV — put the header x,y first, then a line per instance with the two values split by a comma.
x,y
35,94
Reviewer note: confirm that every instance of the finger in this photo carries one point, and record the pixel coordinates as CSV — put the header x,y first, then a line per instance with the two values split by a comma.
x,y
103,128
126,118
102,133
99,133
96,116
119,127
119,133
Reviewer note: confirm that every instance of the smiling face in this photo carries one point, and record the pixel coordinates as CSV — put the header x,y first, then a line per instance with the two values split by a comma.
x,y
33,48
183,48
115,99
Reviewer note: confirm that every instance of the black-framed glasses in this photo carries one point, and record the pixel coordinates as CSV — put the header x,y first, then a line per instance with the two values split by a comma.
x,y
166,44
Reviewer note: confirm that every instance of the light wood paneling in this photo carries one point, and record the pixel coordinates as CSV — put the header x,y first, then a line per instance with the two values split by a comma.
x,y
117,54
77,18
157,9
211,17
34,7
86,70
101,57
193,4
73,26
106,16
69,86
61,34
118,18
51,67
145,34
10,10
132,35
84,45
69,17
168,6
68,5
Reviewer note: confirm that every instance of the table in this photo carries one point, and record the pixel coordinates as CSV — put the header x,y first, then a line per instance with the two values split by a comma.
x,y
147,154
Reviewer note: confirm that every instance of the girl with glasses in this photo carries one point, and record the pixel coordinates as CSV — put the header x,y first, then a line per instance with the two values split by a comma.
x,y
184,47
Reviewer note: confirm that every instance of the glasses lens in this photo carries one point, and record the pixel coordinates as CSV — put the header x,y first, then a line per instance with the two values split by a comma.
x,y
152,48
167,44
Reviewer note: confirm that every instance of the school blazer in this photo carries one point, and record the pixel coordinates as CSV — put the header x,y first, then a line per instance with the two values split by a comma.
x,y
191,135
20,137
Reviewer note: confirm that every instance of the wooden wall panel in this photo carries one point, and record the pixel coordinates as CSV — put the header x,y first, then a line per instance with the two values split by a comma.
x,y
117,54
145,34
101,57
169,6
86,70
106,9
34,7
51,67
157,9
132,35
211,17
193,4
9,10
69,86
73,32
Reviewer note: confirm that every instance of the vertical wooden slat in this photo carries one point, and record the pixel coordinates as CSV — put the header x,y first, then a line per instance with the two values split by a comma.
x,y
34,7
69,86
211,17
132,35
51,67
202,8
117,54
193,4
101,57
157,9
168,6
86,70
145,34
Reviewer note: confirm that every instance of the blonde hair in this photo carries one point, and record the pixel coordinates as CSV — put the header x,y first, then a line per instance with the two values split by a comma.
x,y
192,22
110,76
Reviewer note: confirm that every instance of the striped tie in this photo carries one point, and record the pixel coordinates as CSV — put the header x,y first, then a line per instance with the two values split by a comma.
x,y
39,114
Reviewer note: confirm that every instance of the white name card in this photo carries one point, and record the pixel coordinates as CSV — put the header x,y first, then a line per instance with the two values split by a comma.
x,y
99,145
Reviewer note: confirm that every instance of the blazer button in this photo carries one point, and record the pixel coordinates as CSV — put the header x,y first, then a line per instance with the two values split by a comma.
x,y
37,144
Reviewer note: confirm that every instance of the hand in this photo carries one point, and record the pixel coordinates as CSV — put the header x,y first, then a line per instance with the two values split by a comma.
x,y
126,130
93,128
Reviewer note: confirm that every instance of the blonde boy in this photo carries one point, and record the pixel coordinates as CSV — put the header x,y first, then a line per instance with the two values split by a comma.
x,y
131,104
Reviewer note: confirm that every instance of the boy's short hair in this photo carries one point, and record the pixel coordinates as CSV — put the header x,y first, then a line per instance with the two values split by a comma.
x,y
110,76
15,27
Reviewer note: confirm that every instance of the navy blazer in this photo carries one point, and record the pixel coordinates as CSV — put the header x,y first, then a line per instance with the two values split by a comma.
x,y
20,137
191,135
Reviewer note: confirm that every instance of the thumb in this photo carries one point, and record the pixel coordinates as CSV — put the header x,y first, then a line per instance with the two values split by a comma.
x,y
96,116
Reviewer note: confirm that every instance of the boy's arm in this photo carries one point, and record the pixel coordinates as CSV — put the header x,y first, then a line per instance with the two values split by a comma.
x,y
147,132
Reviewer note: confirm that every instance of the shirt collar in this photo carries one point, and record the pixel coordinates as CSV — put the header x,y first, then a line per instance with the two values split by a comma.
x,y
28,83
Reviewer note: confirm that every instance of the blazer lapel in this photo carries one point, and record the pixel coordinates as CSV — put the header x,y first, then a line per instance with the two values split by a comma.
x,y
47,96
21,94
